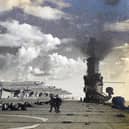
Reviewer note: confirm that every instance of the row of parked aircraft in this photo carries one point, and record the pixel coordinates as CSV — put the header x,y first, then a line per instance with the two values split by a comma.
x,y
19,95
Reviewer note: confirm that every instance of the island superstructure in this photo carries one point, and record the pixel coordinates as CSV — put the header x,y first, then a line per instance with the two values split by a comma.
x,y
93,81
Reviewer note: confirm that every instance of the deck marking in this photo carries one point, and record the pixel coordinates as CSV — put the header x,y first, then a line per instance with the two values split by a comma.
x,y
27,127
26,116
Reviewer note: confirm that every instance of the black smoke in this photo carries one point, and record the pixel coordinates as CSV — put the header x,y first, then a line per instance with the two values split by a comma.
x,y
105,40
99,46
112,2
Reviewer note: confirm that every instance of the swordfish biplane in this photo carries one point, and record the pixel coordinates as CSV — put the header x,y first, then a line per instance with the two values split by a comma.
x,y
23,94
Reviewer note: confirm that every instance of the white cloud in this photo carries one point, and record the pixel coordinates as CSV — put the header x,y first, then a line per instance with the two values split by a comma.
x,y
122,26
22,31
50,41
63,67
6,38
45,12
28,36
60,3
35,71
60,67
68,40
35,8
9,4
38,71
33,44
28,54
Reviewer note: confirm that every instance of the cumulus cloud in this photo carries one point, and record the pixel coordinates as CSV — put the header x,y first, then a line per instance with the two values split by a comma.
x,y
35,57
63,67
122,26
56,67
36,71
28,54
45,12
33,44
21,31
28,36
35,8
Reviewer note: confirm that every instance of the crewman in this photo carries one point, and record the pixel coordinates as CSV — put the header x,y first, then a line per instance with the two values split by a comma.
x,y
52,103
58,103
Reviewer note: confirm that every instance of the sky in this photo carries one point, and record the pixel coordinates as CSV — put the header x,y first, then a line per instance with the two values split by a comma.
x,y
46,40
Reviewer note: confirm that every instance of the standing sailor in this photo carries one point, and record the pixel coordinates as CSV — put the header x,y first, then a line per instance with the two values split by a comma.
x,y
58,103
52,103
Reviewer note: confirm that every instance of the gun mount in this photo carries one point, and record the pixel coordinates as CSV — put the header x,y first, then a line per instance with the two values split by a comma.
x,y
93,81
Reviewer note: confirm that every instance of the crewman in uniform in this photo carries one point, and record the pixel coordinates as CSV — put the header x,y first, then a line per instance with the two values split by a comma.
x,y
52,103
58,103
